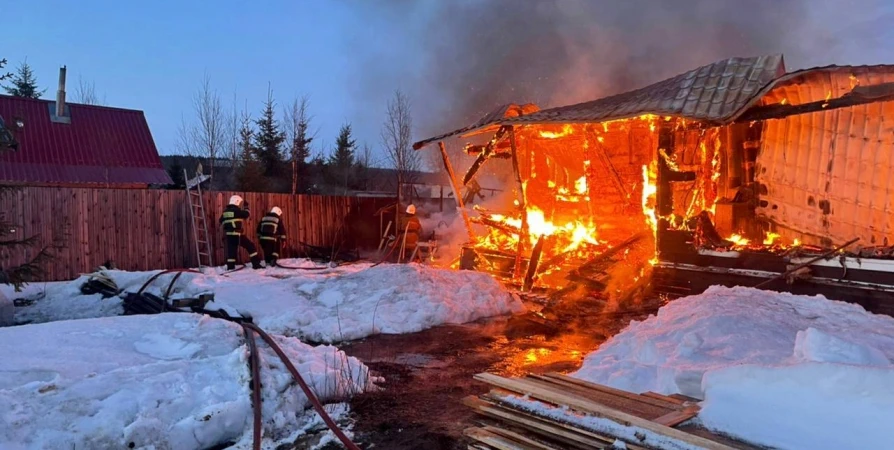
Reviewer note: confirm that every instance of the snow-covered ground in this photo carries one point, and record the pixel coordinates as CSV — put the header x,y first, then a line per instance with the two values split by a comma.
x,y
785,371
177,381
329,305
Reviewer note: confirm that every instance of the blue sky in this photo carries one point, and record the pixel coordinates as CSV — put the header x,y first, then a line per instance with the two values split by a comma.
x,y
152,55
347,55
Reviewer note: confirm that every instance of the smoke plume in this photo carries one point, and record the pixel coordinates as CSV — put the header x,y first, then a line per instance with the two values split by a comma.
x,y
468,56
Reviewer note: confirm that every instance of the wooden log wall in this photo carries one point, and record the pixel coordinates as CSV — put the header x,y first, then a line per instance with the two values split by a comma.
x,y
146,229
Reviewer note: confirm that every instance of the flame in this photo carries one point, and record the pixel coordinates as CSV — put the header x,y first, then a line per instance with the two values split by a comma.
x,y
797,242
771,237
784,101
566,130
650,189
828,95
738,240
854,81
580,186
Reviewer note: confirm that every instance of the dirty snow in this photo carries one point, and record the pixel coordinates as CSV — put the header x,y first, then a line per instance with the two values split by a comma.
x,y
328,305
774,369
178,381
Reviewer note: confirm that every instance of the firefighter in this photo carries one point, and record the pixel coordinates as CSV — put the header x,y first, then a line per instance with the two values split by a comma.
x,y
410,228
271,235
232,220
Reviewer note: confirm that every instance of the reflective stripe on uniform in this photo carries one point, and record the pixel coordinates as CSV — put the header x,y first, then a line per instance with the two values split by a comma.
x,y
268,238
276,255
252,255
231,260
233,233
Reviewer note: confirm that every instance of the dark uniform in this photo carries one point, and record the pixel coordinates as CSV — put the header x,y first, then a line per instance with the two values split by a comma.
x,y
233,219
271,234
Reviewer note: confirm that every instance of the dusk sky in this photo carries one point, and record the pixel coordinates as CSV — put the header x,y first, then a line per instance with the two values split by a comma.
x,y
349,56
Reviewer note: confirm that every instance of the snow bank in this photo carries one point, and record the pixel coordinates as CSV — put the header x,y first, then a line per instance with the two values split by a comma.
x,y
329,305
775,369
178,381
801,406
389,298
670,352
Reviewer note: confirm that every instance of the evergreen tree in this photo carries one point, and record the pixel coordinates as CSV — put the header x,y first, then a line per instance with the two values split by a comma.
x,y
250,172
269,139
23,83
176,174
343,156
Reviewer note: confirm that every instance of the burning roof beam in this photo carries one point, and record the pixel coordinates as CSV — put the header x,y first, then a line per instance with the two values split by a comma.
x,y
457,194
858,96
522,204
607,163
484,155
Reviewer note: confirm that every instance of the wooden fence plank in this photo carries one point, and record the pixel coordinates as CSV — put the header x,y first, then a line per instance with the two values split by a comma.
x,y
151,229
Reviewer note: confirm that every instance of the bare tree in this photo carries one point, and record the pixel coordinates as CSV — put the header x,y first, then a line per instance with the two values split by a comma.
x,y
397,133
85,93
205,136
298,137
365,160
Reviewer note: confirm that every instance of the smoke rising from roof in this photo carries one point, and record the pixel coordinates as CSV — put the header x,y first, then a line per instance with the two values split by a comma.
x,y
473,55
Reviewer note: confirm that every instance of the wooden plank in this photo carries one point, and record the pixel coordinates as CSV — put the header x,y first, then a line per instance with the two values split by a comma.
x,y
675,418
566,380
631,406
509,434
498,441
661,397
535,391
560,431
684,398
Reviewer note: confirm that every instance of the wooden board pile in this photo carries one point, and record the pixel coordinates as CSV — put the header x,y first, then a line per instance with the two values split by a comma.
x,y
554,411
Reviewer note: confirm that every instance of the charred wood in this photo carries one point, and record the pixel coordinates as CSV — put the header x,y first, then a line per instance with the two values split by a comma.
x,y
859,96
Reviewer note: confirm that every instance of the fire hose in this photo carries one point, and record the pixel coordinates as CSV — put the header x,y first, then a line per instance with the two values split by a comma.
x,y
249,329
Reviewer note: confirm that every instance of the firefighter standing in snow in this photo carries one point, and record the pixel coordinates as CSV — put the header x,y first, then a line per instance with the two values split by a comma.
x,y
410,228
233,222
271,234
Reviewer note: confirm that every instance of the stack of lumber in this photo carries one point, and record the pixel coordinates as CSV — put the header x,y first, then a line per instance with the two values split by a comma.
x,y
554,411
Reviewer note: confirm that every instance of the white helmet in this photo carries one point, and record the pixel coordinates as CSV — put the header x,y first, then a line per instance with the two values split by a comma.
x,y
236,200
276,211
411,209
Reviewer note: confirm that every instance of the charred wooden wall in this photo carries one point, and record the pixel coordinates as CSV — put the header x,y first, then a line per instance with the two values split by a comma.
x,y
142,229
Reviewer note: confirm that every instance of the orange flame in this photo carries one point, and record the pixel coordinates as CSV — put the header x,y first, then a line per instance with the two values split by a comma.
x,y
567,129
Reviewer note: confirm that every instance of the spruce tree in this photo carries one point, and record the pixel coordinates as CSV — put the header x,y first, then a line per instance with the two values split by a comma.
x,y
269,139
23,83
343,156
175,171
249,173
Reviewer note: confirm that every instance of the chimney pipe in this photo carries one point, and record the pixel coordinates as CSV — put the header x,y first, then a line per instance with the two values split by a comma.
x,y
60,94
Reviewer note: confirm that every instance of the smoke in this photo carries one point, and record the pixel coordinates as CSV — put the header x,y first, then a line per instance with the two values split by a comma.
x,y
459,59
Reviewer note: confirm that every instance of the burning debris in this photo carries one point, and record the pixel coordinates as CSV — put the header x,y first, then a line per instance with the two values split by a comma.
x,y
694,163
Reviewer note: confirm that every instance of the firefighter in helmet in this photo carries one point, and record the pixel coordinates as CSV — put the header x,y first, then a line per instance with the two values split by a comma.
x,y
271,234
409,230
233,222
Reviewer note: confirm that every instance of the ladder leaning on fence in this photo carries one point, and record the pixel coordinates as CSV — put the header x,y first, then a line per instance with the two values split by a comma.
x,y
197,217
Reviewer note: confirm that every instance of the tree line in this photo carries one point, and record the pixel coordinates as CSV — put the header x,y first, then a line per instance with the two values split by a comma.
x,y
272,152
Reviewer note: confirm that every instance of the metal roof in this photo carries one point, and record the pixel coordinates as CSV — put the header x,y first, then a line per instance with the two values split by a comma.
x,y
100,145
714,93
494,117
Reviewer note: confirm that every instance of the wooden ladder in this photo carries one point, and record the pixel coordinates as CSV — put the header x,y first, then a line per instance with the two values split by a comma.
x,y
197,217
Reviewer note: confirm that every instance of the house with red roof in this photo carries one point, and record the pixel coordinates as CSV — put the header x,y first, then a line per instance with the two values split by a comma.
x,y
54,143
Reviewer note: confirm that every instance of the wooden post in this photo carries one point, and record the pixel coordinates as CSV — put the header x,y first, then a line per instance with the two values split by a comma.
x,y
441,200
522,207
457,194
664,196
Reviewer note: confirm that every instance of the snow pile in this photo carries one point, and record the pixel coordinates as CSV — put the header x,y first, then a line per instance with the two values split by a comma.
x,y
164,381
392,298
329,305
774,369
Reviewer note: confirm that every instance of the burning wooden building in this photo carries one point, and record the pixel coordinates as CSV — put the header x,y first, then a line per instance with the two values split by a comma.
x,y
738,171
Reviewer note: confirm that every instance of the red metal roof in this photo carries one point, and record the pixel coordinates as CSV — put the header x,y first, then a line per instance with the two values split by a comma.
x,y
101,145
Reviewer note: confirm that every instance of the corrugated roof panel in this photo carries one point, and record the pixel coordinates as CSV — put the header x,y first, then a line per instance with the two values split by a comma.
x,y
101,145
715,93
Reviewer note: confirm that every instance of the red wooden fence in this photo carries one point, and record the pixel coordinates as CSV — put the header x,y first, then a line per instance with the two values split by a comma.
x,y
145,229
